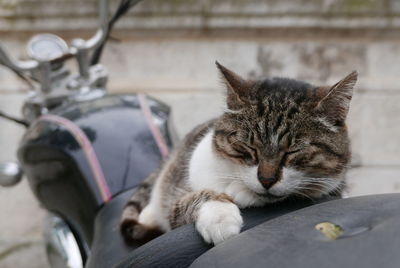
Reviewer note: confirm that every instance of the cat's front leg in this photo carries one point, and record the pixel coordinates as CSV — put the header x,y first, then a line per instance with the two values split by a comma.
x,y
215,216
137,221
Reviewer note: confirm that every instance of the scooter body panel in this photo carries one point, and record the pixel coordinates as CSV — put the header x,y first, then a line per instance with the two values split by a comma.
x,y
58,167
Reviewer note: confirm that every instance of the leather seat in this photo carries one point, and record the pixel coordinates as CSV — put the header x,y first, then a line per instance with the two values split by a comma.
x,y
370,238
279,235
178,248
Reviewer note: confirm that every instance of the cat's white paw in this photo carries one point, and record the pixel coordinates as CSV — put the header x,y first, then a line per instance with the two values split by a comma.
x,y
218,221
243,196
147,216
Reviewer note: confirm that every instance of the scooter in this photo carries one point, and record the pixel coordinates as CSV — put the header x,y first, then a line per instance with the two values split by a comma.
x,y
84,152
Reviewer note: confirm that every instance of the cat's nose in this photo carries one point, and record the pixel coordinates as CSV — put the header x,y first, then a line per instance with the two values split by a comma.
x,y
266,173
267,182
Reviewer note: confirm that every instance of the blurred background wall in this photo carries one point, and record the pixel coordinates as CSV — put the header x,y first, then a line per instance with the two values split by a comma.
x,y
167,48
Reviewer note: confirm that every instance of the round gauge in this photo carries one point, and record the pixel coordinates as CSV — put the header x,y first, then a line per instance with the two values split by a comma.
x,y
46,47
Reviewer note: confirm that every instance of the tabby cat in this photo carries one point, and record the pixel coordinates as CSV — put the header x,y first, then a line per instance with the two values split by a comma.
x,y
278,138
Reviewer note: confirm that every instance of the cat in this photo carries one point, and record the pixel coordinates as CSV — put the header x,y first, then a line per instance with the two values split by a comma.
x,y
278,138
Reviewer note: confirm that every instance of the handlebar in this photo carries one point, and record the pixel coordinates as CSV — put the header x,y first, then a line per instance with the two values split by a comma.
x,y
101,33
19,66
47,54
78,48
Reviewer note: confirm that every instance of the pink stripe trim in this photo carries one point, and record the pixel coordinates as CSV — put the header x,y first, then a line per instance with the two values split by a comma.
x,y
155,131
88,150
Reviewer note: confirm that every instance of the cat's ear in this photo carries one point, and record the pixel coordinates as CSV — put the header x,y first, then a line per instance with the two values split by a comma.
x,y
239,90
335,102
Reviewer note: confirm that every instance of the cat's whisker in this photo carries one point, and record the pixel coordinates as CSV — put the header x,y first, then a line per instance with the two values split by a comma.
x,y
327,185
226,178
304,195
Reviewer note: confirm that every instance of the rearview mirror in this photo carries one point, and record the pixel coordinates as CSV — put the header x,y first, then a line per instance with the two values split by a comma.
x,y
10,173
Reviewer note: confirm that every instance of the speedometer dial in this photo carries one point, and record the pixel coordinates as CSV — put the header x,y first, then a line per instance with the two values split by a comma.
x,y
46,47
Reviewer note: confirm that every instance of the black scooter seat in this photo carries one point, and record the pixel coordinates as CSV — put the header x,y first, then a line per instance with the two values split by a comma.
x,y
178,248
369,238
280,235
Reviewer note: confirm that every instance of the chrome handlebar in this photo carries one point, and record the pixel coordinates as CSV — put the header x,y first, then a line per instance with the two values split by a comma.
x,y
55,84
79,48
20,66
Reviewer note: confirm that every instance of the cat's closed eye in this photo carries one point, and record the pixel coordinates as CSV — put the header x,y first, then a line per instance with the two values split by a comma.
x,y
244,150
289,155
293,151
247,152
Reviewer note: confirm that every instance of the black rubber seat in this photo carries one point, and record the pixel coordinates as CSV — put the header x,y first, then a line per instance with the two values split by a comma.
x,y
108,247
370,238
178,248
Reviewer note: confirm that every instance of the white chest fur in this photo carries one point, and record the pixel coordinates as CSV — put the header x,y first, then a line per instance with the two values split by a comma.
x,y
208,170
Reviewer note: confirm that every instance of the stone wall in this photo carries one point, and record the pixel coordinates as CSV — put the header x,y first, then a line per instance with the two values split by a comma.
x,y
31,15
168,48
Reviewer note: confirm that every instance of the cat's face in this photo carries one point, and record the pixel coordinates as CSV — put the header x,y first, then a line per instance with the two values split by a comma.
x,y
292,134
